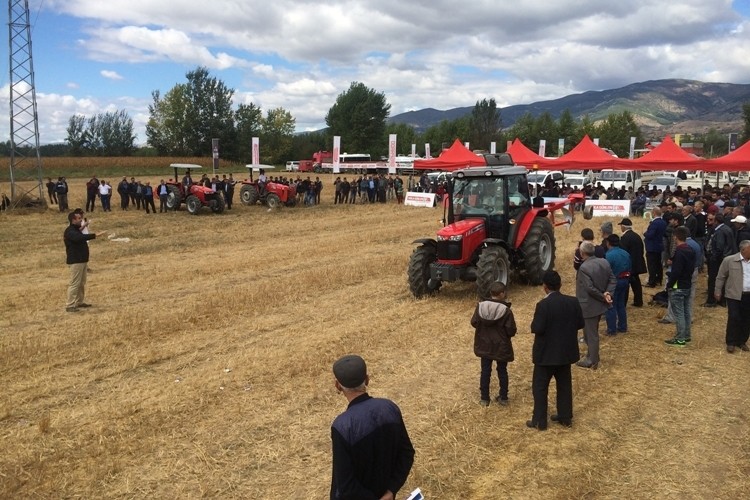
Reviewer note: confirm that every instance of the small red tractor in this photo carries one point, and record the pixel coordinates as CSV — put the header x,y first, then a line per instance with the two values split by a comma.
x,y
494,229
273,194
196,196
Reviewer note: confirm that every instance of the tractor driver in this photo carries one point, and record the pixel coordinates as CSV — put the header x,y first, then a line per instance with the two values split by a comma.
x,y
262,180
492,197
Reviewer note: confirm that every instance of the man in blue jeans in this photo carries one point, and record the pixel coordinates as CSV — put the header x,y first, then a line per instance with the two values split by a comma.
x,y
679,282
619,261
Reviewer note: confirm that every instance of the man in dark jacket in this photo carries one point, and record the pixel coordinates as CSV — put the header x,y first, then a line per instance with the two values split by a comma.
x,y
77,257
720,244
679,282
557,319
61,188
631,242
653,240
494,326
123,190
92,189
372,452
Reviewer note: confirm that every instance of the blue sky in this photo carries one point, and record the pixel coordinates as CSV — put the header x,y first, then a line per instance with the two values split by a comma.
x,y
93,56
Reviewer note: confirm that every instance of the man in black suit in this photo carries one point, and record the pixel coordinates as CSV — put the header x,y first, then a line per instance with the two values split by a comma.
x,y
556,322
631,242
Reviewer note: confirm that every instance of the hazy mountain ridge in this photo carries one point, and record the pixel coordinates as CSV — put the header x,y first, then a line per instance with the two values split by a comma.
x,y
659,106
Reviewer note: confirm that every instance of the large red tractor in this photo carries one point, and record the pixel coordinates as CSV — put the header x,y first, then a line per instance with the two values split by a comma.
x,y
196,196
494,232
273,194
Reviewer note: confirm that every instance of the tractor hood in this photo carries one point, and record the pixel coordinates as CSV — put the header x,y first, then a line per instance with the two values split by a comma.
x,y
463,228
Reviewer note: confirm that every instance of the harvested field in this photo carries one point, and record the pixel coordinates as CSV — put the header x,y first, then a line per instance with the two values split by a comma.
x,y
204,369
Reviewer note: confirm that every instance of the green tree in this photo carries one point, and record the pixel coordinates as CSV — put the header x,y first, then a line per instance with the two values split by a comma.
x,y
406,136
525,130
248,119
566,129
165,130
485,124
105,134
358,116
304,145
615,133
190,115
586,126
77,138
276,135
546,128
442,135
715,144
746,121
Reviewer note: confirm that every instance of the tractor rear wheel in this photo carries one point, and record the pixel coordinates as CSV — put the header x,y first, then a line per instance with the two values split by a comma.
x,y
193,204
493,266
538,250
248,194
419,270
273,200
217,204
174,198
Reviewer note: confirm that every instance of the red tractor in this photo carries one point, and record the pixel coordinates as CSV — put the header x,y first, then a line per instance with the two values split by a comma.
x,y
196,196
273,194
494,229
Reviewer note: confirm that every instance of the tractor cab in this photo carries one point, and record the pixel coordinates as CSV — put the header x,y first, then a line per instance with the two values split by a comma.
x,y
497,197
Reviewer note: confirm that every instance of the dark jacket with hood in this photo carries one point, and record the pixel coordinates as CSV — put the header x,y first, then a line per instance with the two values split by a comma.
x,y
495,325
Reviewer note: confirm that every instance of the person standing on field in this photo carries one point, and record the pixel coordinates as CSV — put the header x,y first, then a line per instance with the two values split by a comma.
x,y
147,192
494,326
557,319
163,193
733,281
372,452
631,242
595,286
77,258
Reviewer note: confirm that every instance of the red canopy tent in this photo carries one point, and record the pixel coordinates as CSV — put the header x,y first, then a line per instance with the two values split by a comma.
x,y
584,156
453,158
524,156
665,156
737,160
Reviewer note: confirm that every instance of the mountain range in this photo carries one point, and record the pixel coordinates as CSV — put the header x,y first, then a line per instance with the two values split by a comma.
x,y
659,106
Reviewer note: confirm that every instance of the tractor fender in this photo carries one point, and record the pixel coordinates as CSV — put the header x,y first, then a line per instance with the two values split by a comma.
x,y
495,241
425,241
524,225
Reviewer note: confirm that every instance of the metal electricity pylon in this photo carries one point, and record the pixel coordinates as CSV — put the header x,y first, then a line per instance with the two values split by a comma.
x,y
24,122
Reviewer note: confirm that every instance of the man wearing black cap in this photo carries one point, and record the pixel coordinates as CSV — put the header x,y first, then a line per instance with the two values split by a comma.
x,y
631,242
372,452
557,319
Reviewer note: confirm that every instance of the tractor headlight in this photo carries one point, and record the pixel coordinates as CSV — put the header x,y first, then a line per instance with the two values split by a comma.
x,y
455,237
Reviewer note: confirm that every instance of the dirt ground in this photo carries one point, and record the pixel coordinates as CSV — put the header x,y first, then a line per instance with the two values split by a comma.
x,y
204,367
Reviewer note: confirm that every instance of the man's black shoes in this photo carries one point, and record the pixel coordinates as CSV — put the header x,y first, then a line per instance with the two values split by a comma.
x,y
561,421
532,425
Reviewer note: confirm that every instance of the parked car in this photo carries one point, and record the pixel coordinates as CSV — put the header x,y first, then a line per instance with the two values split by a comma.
x,y
662,183
541,177
577,181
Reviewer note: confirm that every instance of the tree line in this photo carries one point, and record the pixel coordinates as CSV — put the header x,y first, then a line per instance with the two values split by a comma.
x,y
184,120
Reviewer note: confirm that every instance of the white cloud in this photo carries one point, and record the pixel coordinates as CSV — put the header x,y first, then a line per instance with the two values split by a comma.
x,y
110,75
300,55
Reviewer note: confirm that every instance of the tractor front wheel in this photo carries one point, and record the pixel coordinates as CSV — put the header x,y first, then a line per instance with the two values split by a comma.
x,y
419,271
538,250
217,204
273,200
493,266
193,204
248,194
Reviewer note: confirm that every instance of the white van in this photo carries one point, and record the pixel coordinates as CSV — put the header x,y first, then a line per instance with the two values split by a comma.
x,y
292,166
620,178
